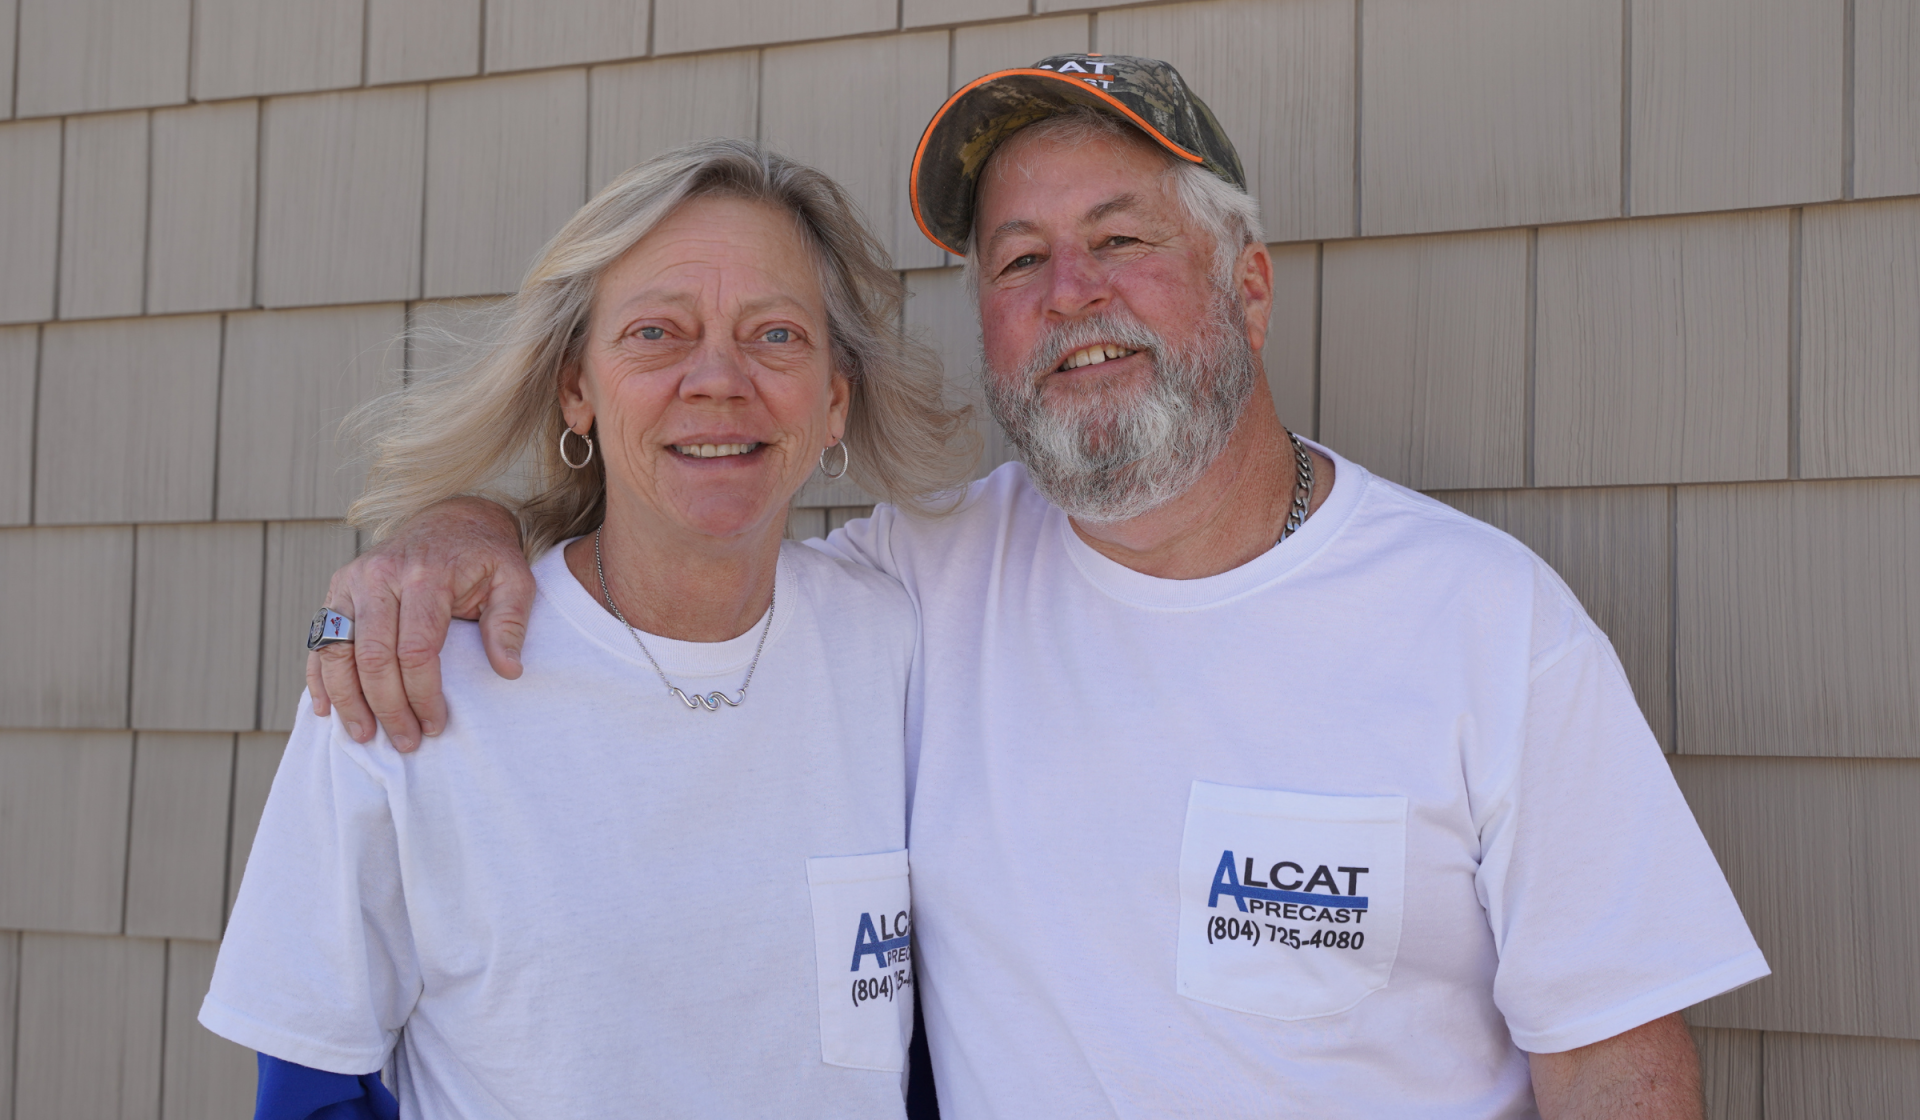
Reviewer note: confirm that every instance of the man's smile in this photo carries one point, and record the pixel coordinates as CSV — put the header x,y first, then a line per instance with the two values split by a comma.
x,y
1093,355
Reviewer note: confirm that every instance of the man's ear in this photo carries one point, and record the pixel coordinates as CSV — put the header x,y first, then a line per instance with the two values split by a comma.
x,y
1253,283
575,408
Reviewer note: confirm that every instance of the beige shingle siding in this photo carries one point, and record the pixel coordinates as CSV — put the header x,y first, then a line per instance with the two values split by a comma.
x,y
641,109
1886,98
103,216
529,34
19,375
203,207
1860,340
9,11
1736,103
177,834
88,56
1614,295
63,815
1796,632
882,92
29,218
506,167
288,381
245,48
1730,1072
1808,1075
1292,352
196,626
683,26
1489,113
1423,352
126,420
93,1009
1662,351
341,180
1820,853
984,48
415,40
202,1074
71,589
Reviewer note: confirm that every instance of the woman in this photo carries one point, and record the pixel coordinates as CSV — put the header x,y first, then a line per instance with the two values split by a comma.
x,y
664,871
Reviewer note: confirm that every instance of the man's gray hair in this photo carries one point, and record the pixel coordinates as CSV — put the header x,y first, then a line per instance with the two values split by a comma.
x,y
1228,214
477,423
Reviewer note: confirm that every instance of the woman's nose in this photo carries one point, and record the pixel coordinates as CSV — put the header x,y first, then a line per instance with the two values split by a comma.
x,y
718,372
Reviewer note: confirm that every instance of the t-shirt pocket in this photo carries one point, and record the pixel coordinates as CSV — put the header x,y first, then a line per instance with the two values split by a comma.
x,y
863,952
1290,903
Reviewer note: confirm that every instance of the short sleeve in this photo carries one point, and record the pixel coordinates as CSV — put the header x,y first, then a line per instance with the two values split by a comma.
x,y
866,541
1608,909
317,966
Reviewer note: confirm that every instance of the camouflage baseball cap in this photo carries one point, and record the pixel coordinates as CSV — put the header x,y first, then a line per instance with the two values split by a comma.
x,y
954,149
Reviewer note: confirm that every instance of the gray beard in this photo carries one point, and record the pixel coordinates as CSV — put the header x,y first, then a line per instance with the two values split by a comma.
x,y
1102,457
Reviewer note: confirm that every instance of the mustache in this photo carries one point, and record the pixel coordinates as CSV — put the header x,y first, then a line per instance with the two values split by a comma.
x,y
1107,456
1060,341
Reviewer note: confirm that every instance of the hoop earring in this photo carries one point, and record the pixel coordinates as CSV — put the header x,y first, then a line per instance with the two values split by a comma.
x,y
846,458
564,433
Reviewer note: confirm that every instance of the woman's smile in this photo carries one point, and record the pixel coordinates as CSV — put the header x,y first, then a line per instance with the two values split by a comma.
x,y
716,450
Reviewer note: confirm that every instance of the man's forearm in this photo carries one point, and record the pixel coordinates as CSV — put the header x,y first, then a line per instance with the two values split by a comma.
x,y
1651,1072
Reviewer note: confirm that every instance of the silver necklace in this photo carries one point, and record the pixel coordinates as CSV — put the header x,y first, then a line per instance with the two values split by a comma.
x,y
1302,488
712,700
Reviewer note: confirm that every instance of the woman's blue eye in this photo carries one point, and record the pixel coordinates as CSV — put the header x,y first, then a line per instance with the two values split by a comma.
x,y
779,334
653,334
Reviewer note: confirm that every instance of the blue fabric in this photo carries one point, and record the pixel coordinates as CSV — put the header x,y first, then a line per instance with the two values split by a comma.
x,y
295,1092
922,1104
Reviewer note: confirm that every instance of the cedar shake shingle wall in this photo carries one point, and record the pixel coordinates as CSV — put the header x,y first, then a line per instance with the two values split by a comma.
x,y
1591,270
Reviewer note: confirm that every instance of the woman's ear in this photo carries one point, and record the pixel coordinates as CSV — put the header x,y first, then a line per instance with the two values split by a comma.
x,y
839,401
575,408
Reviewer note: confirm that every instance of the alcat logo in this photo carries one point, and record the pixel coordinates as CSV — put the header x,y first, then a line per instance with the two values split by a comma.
x,y
891,951
884,949
1090,67
1290,892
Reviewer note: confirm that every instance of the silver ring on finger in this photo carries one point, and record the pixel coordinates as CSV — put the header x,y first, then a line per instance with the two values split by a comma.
x,y
329,628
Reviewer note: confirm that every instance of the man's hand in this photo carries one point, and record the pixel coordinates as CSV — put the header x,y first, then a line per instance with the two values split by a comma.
x,y
1649,1072
458,559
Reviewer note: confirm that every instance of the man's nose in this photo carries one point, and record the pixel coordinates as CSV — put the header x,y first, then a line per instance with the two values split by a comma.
x,y
1077,283
718,372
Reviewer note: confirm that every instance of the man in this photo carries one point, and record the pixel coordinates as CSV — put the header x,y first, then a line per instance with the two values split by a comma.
x,y
1361,823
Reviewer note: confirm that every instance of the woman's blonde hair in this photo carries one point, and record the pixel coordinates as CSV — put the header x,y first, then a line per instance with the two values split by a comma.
x,y
462,430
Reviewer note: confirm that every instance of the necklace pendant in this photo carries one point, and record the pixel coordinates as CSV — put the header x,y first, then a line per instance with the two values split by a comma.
x,y
711,701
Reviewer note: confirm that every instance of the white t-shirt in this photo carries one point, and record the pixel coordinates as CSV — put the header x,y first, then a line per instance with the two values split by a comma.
x,y
1340,832
584,899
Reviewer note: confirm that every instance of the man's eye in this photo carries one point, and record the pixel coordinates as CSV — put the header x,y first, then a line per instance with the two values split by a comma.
x,y
1121,239
778,334
1024,260
653,334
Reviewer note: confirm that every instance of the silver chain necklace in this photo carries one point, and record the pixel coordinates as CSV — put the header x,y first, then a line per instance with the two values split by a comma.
x,y
712,700
1302,488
